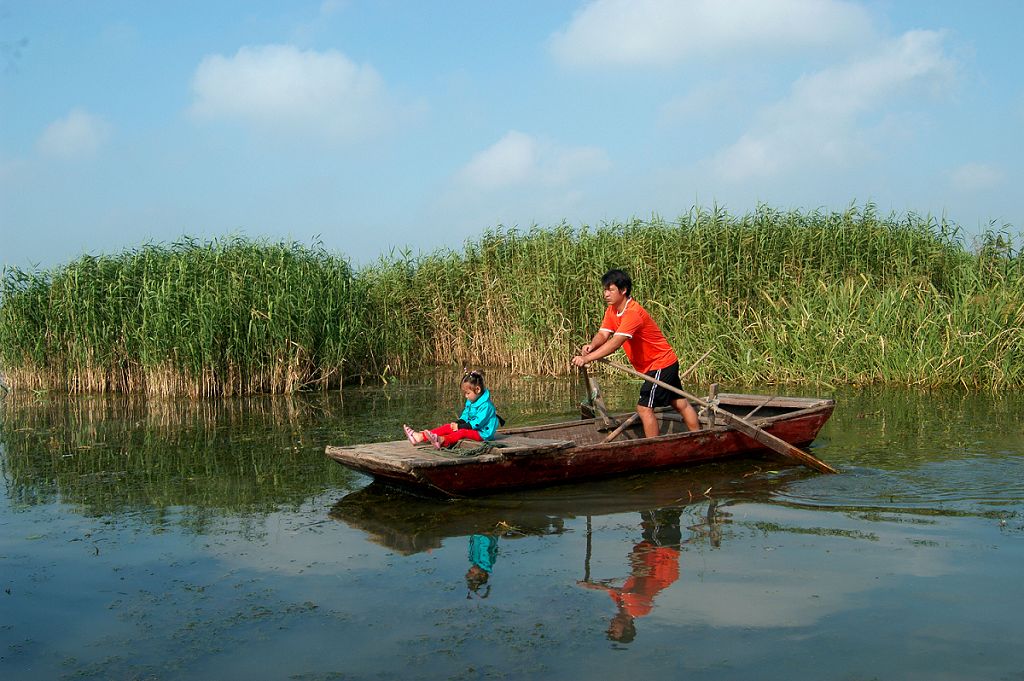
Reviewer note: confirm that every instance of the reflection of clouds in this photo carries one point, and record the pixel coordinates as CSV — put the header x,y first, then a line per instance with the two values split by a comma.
x,y
293,542
813,565
776,566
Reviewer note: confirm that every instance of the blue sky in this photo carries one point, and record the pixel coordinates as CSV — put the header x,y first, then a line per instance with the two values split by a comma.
x,y
404,124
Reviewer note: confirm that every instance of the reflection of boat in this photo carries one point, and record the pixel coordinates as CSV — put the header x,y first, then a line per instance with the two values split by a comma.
x,y
577,450
410,524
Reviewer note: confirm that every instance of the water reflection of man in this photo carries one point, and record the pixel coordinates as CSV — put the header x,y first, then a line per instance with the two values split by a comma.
x,y
483,551
654,566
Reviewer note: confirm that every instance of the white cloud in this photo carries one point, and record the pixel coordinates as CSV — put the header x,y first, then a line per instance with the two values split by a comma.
x,y
77,135
703,100
820,120
510,161
519,159
521,180
659,32
282,88
972,177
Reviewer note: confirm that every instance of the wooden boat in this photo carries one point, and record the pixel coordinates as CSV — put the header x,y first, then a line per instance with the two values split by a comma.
x,y
576,450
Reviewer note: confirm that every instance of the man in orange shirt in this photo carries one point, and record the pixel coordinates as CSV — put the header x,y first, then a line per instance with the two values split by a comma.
x,y
654,566
627,325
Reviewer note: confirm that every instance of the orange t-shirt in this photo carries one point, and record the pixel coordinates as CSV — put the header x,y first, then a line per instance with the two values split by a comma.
x,y
655,568
645,344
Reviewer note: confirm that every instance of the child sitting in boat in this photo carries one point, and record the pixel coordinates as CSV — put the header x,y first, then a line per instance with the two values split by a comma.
x,y
478,420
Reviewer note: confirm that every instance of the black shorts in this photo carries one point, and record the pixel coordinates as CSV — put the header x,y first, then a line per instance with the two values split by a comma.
x,y
656,396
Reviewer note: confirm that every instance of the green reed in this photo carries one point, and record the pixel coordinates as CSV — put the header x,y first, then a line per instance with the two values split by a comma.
x,y
225,317
829,297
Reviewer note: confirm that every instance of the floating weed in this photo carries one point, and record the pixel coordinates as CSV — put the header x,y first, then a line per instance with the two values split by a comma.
x,y
768,528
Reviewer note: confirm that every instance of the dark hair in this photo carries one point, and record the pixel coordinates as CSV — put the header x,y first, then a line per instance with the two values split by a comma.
x,y
619,278
475,579
474,378
622,628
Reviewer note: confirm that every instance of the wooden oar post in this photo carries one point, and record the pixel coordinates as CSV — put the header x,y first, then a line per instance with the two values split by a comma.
x,y
740,424
707,412
594,393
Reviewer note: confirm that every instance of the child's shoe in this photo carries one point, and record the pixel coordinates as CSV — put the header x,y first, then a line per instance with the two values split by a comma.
x,y
410,433
434,438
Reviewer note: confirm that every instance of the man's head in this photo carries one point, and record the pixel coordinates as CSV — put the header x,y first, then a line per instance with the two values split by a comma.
x,y
617,286
621,628
619,279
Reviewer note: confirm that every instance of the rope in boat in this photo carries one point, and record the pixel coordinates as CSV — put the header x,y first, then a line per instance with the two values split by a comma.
x,y
457,452
461,452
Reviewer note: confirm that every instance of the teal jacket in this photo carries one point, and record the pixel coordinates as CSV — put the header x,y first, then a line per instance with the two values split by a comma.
x,y
483,551
481,415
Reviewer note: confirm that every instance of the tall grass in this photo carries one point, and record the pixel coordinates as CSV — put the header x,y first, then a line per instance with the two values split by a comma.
x,y
833,297
224,317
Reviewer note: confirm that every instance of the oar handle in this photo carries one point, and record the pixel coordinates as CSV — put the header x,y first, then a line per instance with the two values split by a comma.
x,y
655,381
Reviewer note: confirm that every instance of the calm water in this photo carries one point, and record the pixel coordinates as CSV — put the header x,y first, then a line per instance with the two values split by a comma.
x,y
182,541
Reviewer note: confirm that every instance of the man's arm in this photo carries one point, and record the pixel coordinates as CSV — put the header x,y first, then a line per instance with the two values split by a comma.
x,y
602,585
606,348
597,341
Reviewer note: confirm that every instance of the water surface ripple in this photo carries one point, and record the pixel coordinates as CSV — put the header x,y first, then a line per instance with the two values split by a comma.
x,y
182,540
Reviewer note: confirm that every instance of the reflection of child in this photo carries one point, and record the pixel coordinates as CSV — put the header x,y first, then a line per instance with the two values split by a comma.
x,y
483,551
478,420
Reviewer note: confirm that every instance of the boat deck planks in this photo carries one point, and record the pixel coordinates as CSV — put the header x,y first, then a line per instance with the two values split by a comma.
x,y
409,457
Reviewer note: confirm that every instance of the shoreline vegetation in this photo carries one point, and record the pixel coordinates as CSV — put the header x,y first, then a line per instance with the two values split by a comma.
x,y
845,297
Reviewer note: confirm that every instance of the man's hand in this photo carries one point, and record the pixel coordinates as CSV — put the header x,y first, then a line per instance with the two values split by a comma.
x,y
585,350
580,360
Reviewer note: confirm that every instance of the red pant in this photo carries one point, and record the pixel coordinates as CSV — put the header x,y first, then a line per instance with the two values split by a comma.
x,y
450,436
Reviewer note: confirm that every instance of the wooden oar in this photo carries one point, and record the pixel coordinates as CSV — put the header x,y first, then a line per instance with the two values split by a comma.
x,y
586,559
740,424
632,419
622,426
756,409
